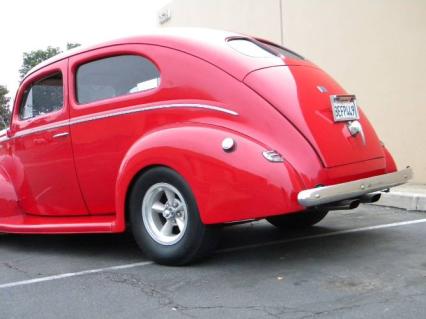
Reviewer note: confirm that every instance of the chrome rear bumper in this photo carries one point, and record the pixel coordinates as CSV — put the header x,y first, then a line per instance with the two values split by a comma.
x,y
334,193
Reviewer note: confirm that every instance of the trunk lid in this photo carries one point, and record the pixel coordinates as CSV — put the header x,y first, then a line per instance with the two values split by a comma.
x,y
302,94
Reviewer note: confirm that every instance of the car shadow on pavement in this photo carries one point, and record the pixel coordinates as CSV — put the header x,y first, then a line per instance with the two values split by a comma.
x,y
252,240
113,246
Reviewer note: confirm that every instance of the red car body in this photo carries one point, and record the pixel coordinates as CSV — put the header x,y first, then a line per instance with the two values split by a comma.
x,y
70,170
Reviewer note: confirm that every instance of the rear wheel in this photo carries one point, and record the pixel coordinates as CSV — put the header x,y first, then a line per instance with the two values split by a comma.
x,y
165,220
303,219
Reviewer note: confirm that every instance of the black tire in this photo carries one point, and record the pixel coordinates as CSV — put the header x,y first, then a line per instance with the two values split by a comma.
x,y
299,220
197,239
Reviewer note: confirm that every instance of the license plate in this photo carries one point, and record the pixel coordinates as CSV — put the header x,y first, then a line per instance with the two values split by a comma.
x,y
344,108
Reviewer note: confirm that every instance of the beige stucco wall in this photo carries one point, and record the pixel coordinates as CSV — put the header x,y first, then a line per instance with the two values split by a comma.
x,y
246,16
375,48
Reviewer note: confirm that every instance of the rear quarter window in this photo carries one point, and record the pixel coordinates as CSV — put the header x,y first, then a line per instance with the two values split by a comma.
x,y
115,76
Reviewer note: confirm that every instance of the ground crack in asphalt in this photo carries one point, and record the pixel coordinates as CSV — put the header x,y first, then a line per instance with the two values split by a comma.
x,y
274,312
164,300
16,268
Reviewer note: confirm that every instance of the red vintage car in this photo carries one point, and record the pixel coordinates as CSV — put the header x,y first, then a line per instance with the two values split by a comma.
x,y
176,133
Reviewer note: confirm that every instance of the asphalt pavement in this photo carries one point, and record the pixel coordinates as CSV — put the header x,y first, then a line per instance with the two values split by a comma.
x,y
365,263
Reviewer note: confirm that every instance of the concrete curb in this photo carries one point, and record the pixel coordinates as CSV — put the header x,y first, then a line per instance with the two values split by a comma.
x,y
408,197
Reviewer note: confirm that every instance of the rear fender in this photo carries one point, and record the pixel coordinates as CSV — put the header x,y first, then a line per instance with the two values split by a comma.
x,y
228,186
390,162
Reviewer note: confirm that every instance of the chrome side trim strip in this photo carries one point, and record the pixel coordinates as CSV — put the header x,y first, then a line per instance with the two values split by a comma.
x,y
136,109
153,108
333,193
41,128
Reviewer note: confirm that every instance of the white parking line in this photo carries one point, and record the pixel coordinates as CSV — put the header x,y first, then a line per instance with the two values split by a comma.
x,y
73,274
226,250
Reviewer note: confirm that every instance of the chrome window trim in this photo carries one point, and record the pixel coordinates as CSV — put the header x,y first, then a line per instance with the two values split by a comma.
x,y
89,118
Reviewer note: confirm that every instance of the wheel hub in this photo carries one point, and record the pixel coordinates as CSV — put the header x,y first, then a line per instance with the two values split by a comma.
x,y
169,213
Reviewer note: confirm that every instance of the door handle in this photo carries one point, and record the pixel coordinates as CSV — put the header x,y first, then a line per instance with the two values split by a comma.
x,y
58,135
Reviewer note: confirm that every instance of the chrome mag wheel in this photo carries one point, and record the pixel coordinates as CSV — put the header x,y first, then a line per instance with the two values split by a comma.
x,y
164,213
165,220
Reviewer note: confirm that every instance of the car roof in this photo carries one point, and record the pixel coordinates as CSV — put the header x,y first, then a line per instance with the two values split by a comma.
x,y
208,44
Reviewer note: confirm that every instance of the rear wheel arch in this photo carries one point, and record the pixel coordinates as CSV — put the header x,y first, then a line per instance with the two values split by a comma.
x,y
208,169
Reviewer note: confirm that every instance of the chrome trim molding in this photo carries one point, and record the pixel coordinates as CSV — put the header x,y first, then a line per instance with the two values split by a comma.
x,y
333,193
41,128
85,118
153,108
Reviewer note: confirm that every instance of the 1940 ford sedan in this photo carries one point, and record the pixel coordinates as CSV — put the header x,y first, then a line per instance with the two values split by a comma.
x,y
173,134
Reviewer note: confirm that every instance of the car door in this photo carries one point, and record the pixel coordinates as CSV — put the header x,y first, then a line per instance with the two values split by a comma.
x,y
106,84
42,145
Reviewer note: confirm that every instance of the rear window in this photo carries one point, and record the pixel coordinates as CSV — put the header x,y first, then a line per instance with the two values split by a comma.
x,y
115,76
250,48
261,49
283,51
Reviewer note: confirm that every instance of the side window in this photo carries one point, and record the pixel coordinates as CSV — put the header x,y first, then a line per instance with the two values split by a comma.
x,y
115,76
42,97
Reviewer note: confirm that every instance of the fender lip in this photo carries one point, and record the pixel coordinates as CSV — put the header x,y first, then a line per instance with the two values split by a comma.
x,y
333,193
